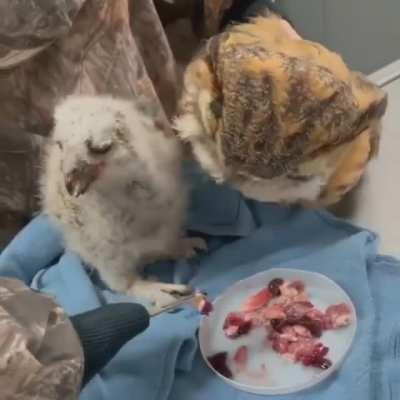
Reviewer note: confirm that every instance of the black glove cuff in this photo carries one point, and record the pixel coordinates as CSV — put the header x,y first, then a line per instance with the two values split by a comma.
x,y
105,330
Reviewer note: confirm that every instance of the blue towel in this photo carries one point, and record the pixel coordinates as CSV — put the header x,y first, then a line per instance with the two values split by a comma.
x,y
244,238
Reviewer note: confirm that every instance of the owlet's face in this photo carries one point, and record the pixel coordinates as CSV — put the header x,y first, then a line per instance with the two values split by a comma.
x,y
94,142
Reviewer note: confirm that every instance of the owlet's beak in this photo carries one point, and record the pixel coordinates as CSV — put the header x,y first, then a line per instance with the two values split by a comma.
x,y
80,178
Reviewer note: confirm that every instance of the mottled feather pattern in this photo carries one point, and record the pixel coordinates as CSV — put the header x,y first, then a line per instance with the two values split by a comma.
x,y
285,108
271,124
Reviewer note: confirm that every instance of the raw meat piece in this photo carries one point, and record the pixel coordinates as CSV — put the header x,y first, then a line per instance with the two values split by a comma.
x,y
289,334
292,334
315,357
314,326
273,312
302,331
219,363
298,285
262,317
292,322
274,287
235,325
280,345
241,356
292,289
255,318
257,301
202,304
205,307
300,349
316,315
286,300
298,309
337,316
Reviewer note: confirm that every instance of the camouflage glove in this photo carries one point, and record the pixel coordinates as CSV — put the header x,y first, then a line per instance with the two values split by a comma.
x,y
45,355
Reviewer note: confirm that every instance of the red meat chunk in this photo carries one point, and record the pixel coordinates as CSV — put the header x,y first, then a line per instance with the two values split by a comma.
x,y
298,309
259,300
235,325
219,363
316,315
314,326
292,322
241,356
300,349
337,316
263,316
292,289
205,307
315,356
274,286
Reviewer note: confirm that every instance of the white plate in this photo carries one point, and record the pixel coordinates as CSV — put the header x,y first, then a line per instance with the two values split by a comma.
x,y
281,376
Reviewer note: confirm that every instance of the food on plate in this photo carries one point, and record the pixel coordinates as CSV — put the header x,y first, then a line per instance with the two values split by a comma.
x,y
257,301
274,287
294,326
202,304
241,356
235,325
337,316
219,363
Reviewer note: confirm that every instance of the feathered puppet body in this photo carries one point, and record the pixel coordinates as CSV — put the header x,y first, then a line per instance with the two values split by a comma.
x,y
280,119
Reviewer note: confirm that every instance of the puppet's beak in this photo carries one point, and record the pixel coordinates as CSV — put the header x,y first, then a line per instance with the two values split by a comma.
x,y
79,178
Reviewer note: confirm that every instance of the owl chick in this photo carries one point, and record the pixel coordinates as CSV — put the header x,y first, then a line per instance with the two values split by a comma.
x,y
112,182
279,118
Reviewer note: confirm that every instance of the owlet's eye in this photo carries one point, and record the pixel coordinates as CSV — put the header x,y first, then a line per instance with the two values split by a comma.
x,y
98,148
59,144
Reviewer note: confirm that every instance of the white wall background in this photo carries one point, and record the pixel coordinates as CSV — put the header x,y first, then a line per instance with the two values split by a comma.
x,y
365,32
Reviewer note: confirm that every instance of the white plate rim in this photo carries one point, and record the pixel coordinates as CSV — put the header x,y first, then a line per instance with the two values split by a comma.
x,y
279,390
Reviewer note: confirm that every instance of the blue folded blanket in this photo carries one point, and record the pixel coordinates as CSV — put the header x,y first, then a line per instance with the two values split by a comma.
x,y
244,238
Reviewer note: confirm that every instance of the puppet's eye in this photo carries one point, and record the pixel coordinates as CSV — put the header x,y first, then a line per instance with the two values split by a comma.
x,y
59,144
101,148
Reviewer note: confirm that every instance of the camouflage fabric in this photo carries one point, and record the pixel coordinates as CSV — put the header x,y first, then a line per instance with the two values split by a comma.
x,y
40,353
49,49
52,48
